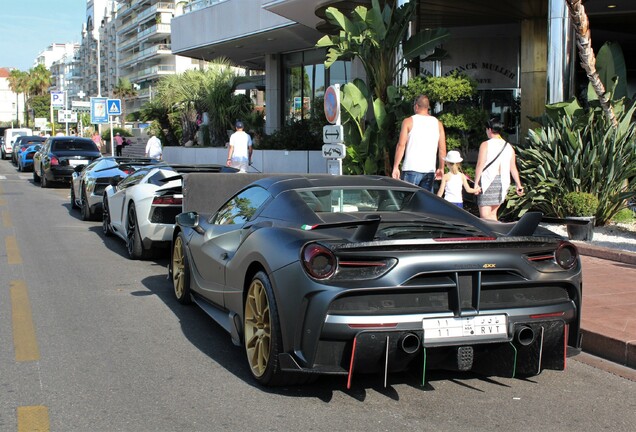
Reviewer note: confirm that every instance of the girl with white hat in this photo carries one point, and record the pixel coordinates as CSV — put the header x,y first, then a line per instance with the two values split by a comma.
x,y
454,180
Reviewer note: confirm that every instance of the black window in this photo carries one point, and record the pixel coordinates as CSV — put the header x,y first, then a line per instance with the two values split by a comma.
x,y
242,207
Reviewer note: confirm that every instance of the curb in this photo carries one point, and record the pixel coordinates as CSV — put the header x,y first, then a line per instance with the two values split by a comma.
x,y
624,257
621,352
595,343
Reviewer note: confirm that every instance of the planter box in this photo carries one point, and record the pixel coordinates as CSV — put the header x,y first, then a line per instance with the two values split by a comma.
x,y
580,230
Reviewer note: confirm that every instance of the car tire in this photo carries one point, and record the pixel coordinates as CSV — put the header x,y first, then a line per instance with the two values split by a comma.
x,y
85,209
262,336
36,177
106,229
133,238
73,203
44,183
180,269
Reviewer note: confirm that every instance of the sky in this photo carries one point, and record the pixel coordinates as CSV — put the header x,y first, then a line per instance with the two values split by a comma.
x,y
28,27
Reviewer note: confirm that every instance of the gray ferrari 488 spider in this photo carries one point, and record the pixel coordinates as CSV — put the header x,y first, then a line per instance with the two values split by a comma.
x,y
366,274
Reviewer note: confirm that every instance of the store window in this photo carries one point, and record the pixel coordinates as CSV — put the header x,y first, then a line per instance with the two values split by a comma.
x,y
306,79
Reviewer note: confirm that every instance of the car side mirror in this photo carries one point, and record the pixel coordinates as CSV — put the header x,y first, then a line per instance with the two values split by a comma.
x,y
78,169
115,180
189,220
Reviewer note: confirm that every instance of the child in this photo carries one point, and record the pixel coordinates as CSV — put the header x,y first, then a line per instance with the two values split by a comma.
x,y
454,180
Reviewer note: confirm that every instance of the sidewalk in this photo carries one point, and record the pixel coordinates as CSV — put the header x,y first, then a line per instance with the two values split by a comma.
x,y
608,318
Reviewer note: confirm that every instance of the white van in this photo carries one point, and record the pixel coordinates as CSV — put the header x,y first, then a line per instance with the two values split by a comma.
x,y
10,135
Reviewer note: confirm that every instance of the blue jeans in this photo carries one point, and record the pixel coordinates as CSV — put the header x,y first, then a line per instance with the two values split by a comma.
x,y
423,180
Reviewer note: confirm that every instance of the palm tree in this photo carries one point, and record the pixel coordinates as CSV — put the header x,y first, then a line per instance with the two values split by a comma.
x,y
124,89
39,80
588,59
18,83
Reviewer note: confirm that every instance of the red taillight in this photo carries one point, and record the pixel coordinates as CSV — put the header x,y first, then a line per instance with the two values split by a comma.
x,y
54,160
167,200
373,325
319,261
547,315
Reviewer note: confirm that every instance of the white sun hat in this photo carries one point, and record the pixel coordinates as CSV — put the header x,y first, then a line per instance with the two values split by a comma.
x,y
453,157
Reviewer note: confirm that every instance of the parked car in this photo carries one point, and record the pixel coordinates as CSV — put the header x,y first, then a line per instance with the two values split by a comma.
x,y
88,182
59,156
141,208
366,274
10,135
21,143
25,160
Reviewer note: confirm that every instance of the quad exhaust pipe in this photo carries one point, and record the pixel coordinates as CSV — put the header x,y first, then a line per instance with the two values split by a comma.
x,y
524,335
409,343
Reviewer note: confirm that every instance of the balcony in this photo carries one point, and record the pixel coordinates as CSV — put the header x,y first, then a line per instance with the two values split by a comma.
x,y
153,72
200,4
161,49
151,11
157,29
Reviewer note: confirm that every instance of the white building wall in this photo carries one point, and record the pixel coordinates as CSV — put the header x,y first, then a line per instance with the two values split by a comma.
x,y
8,102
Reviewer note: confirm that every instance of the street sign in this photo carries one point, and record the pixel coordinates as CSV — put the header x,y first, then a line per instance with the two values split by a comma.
x,y
98,110
332,134
66,116
57,99
114,107
332,104
334,151
83,106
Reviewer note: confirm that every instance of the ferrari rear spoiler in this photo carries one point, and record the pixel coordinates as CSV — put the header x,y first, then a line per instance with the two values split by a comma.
x,y
366,227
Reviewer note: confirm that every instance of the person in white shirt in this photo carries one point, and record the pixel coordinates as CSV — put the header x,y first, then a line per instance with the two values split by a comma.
x,y
240,151
454,181
153,148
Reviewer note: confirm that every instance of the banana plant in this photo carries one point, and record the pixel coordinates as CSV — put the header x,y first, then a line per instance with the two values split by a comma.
x,y
373,36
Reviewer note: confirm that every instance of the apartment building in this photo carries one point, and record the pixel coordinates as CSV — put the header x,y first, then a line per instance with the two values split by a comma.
x,y
144,48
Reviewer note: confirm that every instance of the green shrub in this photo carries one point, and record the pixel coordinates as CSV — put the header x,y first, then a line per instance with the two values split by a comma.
x,y
580,204
577,149
624,216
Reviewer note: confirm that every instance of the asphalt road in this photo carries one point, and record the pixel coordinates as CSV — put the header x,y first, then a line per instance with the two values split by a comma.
x,y
91,341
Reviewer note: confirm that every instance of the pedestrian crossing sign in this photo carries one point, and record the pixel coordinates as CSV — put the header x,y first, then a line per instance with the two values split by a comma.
x,y
114,107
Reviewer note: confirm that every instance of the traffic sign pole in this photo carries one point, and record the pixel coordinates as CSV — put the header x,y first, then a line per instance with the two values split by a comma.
x,y
332,134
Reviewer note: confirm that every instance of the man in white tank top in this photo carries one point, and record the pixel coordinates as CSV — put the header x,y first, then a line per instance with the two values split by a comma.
x,y
422,144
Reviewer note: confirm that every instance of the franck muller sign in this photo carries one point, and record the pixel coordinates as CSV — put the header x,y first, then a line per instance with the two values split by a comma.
x,y
492,62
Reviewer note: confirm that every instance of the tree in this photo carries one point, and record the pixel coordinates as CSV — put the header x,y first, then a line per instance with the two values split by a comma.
x,y
586,55
374,36
18,83
39,80
122,90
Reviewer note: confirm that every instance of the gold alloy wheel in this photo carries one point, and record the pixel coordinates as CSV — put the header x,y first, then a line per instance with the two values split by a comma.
x,y
257,328
178,268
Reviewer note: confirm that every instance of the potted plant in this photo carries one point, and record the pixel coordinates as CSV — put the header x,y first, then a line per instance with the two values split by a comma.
x,y
580,206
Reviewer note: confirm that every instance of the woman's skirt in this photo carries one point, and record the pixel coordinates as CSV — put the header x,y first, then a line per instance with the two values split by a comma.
x,y
492,195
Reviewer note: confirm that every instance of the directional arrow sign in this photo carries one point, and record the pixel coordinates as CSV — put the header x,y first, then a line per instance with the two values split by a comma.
x,y
332,134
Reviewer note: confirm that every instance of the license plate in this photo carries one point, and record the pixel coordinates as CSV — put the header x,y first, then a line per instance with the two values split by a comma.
x,y
76,162
441,330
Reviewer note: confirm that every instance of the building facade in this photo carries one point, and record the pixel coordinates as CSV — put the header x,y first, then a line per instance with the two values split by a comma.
x,y
521,52
11,104
144,46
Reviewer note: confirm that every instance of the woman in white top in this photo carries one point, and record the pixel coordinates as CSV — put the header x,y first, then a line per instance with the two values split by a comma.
x,y
454,180
496,163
